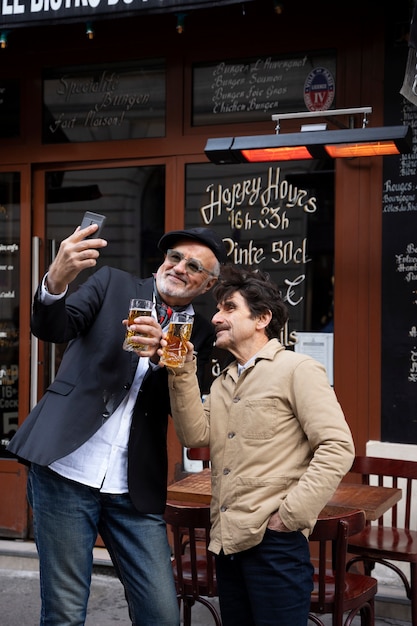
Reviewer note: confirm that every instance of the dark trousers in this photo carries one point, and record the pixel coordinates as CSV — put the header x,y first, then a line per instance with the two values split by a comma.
x,y
268,585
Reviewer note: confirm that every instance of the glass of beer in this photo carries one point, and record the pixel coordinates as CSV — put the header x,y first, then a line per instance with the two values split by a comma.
x,y
179,332
137,308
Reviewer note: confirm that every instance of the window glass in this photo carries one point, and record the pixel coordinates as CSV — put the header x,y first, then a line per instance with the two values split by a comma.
x,y
133,201
9,108
278,218
104,102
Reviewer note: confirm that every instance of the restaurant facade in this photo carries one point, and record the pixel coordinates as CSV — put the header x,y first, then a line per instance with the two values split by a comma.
x,y
108,107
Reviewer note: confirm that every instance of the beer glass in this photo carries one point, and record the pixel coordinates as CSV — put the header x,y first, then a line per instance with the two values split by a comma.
x,y
137,308
179,332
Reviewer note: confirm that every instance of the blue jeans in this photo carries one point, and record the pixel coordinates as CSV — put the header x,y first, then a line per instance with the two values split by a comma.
x,y
67,518
268,585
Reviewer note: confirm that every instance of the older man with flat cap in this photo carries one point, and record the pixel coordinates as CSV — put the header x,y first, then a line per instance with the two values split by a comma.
x,y
96,441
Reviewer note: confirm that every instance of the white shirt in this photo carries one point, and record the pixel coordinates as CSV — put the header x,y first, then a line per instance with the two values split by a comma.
x,y
101,461
241,368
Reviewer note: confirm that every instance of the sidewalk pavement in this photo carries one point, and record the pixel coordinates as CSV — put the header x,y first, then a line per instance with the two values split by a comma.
x,y
20,603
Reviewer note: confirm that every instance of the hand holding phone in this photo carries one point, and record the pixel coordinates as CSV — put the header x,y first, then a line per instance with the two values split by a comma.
x,y
93,218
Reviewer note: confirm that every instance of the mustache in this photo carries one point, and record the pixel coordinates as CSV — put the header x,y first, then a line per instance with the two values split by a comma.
x,y
175,275
220,327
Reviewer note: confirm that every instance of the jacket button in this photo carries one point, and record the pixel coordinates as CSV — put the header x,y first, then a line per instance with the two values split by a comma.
x,y
127,386
223,508
230,435
236,399
106,414
226,471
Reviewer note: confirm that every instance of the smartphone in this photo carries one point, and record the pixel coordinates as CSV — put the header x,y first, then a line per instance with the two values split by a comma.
x,y
93,218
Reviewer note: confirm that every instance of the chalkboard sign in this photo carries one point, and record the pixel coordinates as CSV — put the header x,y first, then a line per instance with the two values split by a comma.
x,y
252,89
9,305
104,102
399,269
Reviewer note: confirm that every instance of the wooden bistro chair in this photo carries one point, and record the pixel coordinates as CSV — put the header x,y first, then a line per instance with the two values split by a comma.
x,y
337,591
199,454
391,538
194,568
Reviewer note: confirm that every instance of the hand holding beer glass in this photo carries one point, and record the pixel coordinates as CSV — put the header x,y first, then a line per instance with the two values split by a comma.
x,y
179,332
137,308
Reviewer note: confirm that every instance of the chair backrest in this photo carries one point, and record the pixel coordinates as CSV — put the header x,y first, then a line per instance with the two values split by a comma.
x,y
194,565
331,533
390,473
199,454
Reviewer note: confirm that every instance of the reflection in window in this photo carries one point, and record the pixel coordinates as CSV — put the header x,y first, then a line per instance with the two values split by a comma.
x,y
133,201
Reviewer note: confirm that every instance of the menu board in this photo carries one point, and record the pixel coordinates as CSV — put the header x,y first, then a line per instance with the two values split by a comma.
x,y
399,271
320,347
252,89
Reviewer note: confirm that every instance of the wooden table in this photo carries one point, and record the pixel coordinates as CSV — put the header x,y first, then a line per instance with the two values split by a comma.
x,y
373,500
194,488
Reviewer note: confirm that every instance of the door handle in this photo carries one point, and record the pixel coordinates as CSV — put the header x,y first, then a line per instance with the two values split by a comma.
x,y
34,342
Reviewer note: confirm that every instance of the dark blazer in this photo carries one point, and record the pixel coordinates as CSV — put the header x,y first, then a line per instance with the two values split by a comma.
x,y
94,377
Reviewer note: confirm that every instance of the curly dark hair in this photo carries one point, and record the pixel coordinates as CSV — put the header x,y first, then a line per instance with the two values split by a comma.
x,y
259,292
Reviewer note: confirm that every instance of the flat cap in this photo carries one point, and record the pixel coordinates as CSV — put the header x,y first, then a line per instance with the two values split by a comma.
x,y
205,236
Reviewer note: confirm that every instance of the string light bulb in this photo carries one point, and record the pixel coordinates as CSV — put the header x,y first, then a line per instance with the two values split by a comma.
x,y
180,23
89,30
3,39
278,7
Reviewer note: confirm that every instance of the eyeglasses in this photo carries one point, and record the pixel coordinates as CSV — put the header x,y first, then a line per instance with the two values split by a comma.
x,y
193,266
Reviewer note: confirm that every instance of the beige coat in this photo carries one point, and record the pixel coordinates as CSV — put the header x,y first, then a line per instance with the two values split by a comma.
x,y
278,441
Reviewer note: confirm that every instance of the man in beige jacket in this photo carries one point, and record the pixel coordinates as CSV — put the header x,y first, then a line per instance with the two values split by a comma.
x,y
279,446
